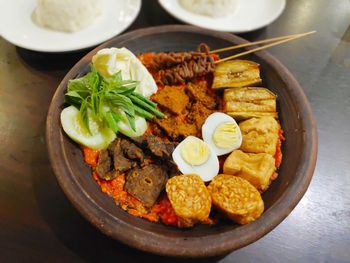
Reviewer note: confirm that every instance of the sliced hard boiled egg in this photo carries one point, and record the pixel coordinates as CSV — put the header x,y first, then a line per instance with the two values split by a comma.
x,y
193,155
222,133
99,138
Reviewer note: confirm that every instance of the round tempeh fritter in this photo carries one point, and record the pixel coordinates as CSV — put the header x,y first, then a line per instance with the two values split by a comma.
x,y
190,198
236,198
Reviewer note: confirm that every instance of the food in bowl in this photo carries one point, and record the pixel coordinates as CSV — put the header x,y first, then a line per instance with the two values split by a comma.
x,y
66,15
210,8
164,151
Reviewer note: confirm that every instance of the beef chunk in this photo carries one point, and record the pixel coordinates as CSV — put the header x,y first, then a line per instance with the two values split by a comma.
x,y
199,113
131,151
104,166
162,150
173,98
200,93
157,146
146,183
121,163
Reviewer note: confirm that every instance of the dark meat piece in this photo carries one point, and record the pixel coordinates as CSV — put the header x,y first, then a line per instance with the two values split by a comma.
x,y
160,149
186,71
104,166
172,168
198,114
146,183
173,98
131,151
121,162
199,92
176,128
157,146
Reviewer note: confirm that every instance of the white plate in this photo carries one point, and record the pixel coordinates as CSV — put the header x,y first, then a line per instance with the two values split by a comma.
x,y
17,27
248,15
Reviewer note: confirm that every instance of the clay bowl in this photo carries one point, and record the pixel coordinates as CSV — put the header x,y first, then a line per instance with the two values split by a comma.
x,y
299,150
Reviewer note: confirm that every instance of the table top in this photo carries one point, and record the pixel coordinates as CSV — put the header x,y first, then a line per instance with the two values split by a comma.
x,y
38,223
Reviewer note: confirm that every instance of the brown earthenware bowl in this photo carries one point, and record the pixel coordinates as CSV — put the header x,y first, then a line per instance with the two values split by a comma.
x,y
299,152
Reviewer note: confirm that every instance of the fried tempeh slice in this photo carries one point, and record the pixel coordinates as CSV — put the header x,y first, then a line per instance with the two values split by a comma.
x,y
190,199
236,198
259,135
257,168
249,102
236,73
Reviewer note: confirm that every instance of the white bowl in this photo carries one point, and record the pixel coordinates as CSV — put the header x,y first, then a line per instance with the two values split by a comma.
x,y
17,27
248,15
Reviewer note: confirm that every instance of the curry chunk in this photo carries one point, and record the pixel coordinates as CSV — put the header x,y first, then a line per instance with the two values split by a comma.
x,y
198,114
173,98
259,135
236,198
199,92
257,168
190,199
176,127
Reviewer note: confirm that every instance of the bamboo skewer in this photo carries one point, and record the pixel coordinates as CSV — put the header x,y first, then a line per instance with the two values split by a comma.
x,y
276,41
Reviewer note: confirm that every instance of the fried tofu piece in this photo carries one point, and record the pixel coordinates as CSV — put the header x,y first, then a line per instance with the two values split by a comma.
x,y
236,198
236,73
257,168
243,103
173,98
189,198
259,135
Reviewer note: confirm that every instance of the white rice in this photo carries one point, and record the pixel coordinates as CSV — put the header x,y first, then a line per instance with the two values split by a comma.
x,y
66,15
213,8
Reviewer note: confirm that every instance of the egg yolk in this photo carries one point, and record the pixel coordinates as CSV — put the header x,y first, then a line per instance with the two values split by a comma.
x,y
225,135
195,151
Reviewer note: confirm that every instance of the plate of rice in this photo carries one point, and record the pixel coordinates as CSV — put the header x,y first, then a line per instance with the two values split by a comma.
x,y
65,25
235,16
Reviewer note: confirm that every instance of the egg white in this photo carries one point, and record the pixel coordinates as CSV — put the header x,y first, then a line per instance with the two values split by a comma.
x,y
207,171
208,129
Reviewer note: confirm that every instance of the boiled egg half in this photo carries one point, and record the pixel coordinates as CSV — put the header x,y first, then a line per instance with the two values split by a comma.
x,y
193,155
222,133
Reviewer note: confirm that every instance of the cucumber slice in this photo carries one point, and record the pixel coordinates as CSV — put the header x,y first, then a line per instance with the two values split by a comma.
x,y
124,127
72,125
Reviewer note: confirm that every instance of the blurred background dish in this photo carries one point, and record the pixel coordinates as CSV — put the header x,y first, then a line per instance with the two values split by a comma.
x,y
244,15
18,27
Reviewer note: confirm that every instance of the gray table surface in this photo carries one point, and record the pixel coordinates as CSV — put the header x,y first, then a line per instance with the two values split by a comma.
x,y
37,222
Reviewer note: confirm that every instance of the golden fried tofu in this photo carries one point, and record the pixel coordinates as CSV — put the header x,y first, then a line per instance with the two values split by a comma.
x,y
259,135
190,199
236,73
236,198
243,103
257,168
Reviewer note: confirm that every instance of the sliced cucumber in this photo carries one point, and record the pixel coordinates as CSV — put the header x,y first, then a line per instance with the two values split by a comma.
x,y
124,127
72,125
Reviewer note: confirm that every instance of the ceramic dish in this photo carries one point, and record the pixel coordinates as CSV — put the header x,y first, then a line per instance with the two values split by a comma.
x,y
299,150
248,15
18,28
